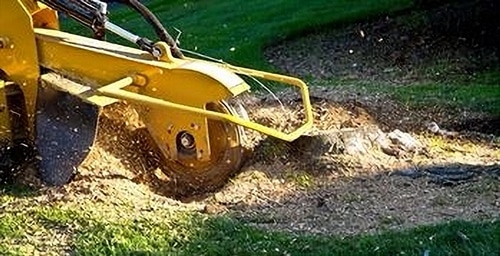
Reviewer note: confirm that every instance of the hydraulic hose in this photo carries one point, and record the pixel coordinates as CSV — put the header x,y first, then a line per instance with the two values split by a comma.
x,y
149,16
92,13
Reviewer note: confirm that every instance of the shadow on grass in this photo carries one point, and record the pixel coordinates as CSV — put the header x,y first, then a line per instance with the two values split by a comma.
x,y
486,125
224,236
232,234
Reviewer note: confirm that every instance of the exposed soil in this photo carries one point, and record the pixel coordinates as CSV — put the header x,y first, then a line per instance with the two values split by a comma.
x,y
449,41
284,188
455,176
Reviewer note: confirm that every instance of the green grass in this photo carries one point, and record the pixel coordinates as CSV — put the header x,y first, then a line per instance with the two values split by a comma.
x,y
478,97
480,93
220,236
189,233
11,226
237,30
214,28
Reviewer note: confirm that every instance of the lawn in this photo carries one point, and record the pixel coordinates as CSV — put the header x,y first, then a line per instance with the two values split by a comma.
x,y
236,31
106,229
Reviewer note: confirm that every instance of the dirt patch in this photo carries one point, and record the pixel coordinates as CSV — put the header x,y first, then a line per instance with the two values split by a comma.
x,y
322,191
450,41
370,203
345,194
283,187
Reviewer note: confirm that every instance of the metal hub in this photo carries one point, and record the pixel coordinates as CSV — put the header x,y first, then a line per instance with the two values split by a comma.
x,y
185,143
227,153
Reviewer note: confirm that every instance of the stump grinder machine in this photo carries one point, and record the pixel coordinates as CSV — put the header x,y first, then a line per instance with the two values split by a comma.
x,y
54,85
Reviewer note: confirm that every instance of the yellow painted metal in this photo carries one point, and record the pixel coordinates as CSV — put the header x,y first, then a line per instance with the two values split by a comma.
x,y
114,90
44,17
18,52
175,92
96,63
185,85
60,83
181,85
226,140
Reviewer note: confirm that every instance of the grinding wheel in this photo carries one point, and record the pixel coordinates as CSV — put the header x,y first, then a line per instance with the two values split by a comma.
x,y
227,154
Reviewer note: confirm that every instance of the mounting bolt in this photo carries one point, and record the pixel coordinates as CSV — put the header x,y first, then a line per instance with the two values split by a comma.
x,y
140,80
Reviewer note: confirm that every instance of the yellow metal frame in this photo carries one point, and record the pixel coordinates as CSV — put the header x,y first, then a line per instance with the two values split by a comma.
x,y
18,52
110,61
175,91
116,90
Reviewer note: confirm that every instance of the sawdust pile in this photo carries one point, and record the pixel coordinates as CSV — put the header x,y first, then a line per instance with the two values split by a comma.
x,y
288,186
307,188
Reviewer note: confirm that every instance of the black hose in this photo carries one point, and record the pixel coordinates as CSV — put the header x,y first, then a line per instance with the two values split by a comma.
x,y
149,16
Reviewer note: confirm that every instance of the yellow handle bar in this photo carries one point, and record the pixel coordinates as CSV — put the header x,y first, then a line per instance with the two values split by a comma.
x,y
116,90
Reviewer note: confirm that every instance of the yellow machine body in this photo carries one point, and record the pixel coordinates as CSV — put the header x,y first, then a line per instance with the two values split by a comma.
x,y
176,96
